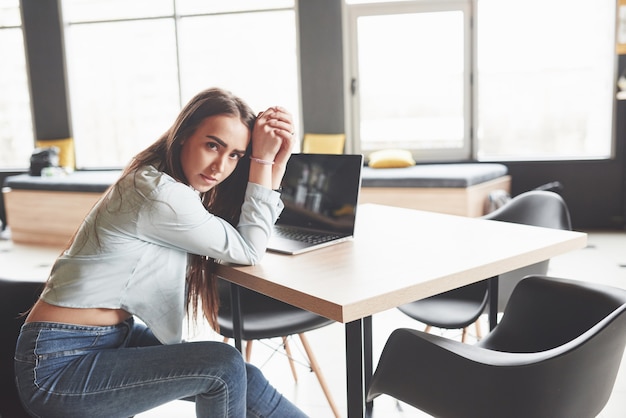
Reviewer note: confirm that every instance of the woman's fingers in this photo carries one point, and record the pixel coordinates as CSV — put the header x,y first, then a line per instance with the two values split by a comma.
x,y
273,132
266,141
279,118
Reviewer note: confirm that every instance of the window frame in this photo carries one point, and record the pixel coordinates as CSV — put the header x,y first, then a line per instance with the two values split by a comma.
x,y
356,10
470,151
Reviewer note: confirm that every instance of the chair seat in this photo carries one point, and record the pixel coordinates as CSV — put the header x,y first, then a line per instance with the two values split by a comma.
x,y
265,317
260,325
454,309
443,313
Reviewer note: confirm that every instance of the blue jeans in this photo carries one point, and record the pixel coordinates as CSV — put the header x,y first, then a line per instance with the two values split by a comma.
x,y
65,370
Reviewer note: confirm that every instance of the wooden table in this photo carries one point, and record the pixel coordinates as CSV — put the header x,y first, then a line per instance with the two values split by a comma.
x,y
398,255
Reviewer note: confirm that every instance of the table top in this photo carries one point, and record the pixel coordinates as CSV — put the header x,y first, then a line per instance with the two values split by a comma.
x,y
25,261
397,256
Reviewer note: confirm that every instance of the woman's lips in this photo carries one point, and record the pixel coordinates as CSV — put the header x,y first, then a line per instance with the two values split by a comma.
x,y
211,181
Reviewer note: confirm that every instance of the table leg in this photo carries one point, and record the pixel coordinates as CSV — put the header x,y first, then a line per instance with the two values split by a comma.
x,y
358,365
493,302
235,303
368,367
354,369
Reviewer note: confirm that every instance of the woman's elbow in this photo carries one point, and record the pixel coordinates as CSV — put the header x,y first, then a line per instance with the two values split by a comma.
x,y
256,257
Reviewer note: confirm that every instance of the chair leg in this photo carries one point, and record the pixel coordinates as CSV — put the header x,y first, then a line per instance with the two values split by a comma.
x,y
427,329
248,350
479,334
312,361
290,358
464,335
318,372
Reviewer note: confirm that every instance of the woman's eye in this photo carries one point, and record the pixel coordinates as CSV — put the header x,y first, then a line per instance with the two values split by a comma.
x,y
236,156
212,145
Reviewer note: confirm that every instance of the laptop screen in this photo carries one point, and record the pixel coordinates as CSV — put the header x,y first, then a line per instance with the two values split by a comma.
x,y
321,191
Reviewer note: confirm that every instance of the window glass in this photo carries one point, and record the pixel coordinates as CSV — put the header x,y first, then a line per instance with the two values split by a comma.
x,y
16,129
10,13
258,63
547,92
411,97
123,88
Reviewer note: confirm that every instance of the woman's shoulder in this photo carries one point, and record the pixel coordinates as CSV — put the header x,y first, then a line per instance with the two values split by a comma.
x,y
151,174
147,182
148,178
151,182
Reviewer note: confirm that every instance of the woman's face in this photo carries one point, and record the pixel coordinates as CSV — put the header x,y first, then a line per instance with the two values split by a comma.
x,y
211,154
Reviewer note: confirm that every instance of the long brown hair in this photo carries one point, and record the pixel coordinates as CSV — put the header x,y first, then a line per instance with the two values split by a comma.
x,y
224,200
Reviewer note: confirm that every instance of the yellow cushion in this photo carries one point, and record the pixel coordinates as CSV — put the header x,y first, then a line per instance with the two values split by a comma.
x,y
391,158
66,150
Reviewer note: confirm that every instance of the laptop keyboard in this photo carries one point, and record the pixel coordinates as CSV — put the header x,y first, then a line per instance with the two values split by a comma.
x,y
303,236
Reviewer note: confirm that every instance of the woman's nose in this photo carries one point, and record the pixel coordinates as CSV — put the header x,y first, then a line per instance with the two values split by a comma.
x,y
218,164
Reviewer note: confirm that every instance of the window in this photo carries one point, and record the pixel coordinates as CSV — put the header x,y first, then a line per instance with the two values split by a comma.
x,y
467,79
132,65
413,92
16,128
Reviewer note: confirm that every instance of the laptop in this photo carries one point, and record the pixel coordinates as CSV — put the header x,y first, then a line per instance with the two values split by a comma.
x,y
320,193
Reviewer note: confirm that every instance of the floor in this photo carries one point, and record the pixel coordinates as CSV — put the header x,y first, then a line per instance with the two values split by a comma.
x,y
604,260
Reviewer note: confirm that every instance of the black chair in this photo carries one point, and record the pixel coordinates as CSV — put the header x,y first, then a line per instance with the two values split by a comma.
x,y
16,298
556,353
264,318
462,307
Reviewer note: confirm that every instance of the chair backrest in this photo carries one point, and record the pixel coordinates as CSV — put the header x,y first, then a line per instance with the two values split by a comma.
x,y
16,297
323,143
537,208
543,314
578,333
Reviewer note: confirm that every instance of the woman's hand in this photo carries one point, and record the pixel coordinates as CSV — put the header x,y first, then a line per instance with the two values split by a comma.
x,y
272,140
272,135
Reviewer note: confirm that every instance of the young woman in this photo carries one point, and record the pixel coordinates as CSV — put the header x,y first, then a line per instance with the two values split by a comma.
x,y
202,193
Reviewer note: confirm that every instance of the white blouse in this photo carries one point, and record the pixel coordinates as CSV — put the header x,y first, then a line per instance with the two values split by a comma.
x,y
133,254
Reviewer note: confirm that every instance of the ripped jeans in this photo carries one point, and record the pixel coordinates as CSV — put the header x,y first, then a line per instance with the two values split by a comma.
x,y
65,370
